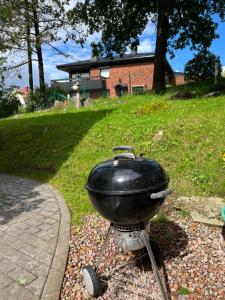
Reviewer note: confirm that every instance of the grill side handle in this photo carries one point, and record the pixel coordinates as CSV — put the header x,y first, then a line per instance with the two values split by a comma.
x,y
161,194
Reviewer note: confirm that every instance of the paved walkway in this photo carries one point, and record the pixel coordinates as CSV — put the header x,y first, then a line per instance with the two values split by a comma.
x,y
34,240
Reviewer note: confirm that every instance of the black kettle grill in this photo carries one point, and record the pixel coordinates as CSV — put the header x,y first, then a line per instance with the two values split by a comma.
x,y
128,191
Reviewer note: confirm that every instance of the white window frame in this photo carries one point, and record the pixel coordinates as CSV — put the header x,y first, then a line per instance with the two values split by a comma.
x,y
87,75
74,75
104,69
137,86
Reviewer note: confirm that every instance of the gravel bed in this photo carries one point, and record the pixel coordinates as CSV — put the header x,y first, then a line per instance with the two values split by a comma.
x,y
191,262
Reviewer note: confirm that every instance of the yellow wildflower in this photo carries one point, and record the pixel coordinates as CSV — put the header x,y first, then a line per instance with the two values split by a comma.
x,y
223,156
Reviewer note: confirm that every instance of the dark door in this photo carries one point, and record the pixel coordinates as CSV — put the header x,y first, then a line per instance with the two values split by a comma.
x,y
121,90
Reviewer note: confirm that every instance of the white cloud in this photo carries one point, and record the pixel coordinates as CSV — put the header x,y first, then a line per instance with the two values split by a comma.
x,y
223,71
72,3
95,37
75,53
146,45
150,29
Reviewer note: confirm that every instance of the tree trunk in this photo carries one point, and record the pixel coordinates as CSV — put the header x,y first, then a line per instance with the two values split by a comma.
x,y
41,73
30,67
39,51
29,51
159,80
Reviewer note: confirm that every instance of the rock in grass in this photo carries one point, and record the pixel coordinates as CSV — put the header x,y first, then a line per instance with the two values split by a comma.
x,y
58,104
208,221
181,95
158,136
212,94
208,207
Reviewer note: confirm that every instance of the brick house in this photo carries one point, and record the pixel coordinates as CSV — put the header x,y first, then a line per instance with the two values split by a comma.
x,y
130,73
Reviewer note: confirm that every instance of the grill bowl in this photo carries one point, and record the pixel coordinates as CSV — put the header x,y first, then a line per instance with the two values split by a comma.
x,y
127,209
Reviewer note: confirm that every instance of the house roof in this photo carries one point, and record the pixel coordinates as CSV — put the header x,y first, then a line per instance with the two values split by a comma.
x,y
104,62
178,73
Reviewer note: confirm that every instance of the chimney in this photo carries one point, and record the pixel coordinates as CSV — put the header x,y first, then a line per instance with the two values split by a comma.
x,y
94,58
94,52
133,50
134,47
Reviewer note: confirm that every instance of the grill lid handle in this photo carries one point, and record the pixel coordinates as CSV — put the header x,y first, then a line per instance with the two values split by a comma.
x,y
124,155
118,148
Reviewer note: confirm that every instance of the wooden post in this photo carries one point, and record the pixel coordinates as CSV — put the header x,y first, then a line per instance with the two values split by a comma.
x,y
78,99
130,88
76,88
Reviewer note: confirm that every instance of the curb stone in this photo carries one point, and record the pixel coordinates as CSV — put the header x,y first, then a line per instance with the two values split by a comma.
x,y
54,281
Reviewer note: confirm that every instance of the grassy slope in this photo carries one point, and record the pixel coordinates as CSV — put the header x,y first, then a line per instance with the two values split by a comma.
x,y
61,147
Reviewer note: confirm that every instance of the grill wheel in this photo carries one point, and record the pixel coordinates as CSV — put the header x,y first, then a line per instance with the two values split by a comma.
x,y
91,281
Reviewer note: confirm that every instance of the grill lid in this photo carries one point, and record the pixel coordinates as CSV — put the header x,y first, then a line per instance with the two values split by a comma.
x,y
127,174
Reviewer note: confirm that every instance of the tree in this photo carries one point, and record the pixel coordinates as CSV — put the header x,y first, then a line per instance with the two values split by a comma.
x,y
1,75
179,24
27,26
202,66
47,17
15,36
29,47
38,45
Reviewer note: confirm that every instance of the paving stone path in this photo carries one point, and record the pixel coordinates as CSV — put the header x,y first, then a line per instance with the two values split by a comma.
x,y
34,240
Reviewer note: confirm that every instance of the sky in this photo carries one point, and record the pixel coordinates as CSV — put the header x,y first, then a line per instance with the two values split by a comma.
x,y
77,53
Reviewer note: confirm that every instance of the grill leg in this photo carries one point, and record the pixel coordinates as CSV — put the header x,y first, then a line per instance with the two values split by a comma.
x,y
106,242
153,263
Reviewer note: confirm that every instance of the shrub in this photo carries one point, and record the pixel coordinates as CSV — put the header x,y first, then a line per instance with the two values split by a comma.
x,y
31,106
54,93
152,107
9,105
181,95
219,86
202,67
34,103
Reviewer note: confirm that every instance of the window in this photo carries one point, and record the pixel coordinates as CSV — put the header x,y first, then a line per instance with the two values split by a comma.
x,y
137,89
105,72
81,75
85,75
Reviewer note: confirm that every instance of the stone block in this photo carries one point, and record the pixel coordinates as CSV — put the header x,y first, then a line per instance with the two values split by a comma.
x,y
21,276
4,281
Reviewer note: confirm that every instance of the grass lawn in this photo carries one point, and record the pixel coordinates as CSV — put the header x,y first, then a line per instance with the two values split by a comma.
x,y
61,147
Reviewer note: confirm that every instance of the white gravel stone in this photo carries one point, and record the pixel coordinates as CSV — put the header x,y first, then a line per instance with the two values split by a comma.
x,y
192,262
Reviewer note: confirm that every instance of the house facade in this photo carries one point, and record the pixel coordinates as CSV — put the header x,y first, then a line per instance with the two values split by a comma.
x,y
130,73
